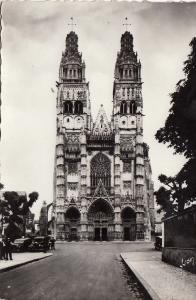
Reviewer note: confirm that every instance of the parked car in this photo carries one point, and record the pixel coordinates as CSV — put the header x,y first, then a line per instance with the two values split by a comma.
x,y
21,244
158,243
38,243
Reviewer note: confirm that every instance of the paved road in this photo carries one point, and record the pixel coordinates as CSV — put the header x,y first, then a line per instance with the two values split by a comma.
x,y
77,271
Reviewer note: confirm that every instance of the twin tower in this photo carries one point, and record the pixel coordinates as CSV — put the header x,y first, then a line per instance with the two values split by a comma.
x,y
102,176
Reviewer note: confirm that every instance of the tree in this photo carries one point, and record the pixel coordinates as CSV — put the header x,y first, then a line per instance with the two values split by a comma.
x,y
172,196
16,209
179,132
180,126
3,210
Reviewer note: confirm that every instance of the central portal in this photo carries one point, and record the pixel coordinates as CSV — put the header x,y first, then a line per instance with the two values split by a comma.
x,y
101,234
100,218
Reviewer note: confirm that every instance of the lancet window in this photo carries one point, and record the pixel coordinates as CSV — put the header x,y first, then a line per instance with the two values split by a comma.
x,y
123,107
65,72
100,170
132,107
68,107
78,109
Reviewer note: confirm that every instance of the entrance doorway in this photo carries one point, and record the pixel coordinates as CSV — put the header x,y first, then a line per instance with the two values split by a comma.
x,y
100,216
72,219
104,234
73,234
130,233
126,234
129,224
97,234
101,234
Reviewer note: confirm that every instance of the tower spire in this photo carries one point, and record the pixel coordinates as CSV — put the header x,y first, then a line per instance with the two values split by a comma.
x,y
126,24
72,24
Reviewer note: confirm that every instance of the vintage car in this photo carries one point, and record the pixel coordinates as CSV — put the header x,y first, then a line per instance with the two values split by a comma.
x,y
158,243
21,244
39,243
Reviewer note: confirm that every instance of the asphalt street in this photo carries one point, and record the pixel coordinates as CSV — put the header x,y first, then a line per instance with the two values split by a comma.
x,y
76,271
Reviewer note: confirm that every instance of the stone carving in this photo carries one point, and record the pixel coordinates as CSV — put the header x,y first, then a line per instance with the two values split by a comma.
x,y
72,138
100,190
72,186
127,184
127,139
81,94
127,167
128,200
100,215
127,143
101,124
72,167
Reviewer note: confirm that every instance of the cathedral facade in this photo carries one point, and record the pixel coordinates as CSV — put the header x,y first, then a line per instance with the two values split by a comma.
x,y
102,176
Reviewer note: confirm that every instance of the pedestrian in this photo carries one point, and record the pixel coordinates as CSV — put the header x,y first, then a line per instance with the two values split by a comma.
x,y
8,249
4,248
52,241
1,248
45,244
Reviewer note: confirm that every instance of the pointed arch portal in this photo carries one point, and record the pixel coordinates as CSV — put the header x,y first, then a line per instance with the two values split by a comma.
x,y
72,220
100,218
128,217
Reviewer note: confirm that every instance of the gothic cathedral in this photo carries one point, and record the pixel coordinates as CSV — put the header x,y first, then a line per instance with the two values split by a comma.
x,y
102,177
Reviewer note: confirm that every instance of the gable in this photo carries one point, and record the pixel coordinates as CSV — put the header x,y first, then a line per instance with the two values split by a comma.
x,y
100,190
101,124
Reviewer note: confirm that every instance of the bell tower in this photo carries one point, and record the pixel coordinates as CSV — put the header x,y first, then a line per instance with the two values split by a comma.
x,y
127,85
73,122
73,91
127,122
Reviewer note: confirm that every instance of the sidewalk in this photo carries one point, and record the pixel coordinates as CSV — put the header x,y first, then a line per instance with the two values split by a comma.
x,y
162,281
20,259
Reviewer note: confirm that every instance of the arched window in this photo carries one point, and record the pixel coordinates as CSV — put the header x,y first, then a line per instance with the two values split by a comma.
x,y
65,72
121,73
132,107
72,213
123,107
68,107
78,107
128,214
135,72
100,170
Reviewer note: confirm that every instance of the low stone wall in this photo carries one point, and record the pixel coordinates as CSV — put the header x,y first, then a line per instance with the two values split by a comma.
x,y
184,258
180,230
180,240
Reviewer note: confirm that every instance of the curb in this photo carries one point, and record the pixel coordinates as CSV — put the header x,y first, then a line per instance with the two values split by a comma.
x,y
145,285
105,242
23,263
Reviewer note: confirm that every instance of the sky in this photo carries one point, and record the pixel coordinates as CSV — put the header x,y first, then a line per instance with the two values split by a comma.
x,y
33,38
